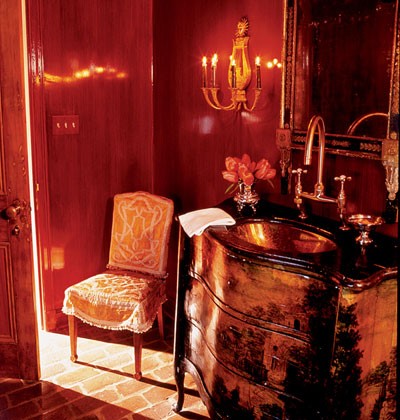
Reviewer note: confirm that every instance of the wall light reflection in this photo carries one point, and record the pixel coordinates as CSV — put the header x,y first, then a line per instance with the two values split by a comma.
x,y
274,63
57,258
86,73
206,125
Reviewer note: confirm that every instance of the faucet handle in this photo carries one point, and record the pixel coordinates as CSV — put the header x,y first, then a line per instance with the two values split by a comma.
x,y
299,171
342,179
298,190
341,200
299,187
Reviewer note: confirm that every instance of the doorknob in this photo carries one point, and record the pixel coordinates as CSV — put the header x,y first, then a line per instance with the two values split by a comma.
x,y
12,211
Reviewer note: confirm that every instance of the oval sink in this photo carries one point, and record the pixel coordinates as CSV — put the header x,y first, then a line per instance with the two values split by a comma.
x,y
279,235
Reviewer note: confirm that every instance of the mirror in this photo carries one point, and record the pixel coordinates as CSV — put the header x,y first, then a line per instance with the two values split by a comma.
x,y
341,62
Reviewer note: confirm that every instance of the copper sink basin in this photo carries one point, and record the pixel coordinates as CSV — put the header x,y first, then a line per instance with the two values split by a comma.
x,y
279,235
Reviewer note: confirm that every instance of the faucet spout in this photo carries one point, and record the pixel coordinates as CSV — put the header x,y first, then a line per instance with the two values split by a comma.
x,y
316,122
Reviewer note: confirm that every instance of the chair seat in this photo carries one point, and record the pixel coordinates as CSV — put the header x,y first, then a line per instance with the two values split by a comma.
x,y
117,300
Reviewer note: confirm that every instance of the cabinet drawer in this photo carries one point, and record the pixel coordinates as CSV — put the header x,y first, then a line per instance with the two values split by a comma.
x,y
259,354
233,395
264,293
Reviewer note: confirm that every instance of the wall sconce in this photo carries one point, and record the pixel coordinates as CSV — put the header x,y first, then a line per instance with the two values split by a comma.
x,y
239,74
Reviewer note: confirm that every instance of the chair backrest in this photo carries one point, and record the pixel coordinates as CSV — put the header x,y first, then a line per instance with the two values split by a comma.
x,y
140,232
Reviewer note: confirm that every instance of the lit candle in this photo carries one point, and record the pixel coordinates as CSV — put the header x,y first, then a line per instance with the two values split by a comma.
x,y
233,70
204,72
214,61
258,73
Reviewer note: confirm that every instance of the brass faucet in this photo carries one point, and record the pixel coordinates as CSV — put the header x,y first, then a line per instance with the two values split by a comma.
x,y
317,122
319,189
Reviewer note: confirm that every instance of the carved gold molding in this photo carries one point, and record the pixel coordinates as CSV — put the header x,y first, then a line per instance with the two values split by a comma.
x,y
393,122
390,161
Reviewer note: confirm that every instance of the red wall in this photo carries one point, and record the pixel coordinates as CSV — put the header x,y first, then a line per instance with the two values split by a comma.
x,y
157,135
192,139
113,151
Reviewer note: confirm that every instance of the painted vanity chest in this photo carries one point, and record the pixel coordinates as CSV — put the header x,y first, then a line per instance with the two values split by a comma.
x,y
285,335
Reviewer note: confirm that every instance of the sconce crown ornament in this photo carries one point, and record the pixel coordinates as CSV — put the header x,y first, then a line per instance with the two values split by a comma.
x,y
239,74
242,27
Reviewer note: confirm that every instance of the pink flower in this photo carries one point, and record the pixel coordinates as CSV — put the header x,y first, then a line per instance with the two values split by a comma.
x,y
231,163
247,171
230,176
246,159
245,174
263,170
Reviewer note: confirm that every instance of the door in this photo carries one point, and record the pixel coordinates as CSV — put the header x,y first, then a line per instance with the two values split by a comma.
x,y
18,325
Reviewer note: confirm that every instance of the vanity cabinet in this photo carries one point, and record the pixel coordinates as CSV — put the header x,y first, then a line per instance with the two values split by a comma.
x,y
269,336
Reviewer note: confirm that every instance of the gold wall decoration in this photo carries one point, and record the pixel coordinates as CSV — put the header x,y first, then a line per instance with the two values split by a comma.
x,y
239,74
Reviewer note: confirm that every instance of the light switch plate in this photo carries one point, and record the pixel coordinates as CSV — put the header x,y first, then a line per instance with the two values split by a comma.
x,y
65,124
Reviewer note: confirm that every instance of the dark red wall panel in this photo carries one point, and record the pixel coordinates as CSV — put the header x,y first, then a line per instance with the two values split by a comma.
x,y
192,139
97,66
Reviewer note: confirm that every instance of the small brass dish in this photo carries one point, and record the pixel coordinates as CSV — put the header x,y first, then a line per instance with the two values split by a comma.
x,y
364,223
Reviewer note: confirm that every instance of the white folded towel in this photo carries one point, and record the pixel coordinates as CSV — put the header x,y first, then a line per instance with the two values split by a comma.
x,y
195,222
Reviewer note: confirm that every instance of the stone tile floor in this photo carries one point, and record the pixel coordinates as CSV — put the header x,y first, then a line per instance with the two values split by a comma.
x,y
100,384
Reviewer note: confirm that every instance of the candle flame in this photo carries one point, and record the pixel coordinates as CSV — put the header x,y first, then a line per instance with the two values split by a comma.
x,y
204,61
214,60
258,61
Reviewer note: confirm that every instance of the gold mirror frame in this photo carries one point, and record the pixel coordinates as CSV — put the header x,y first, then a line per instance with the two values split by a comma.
x,y
289,138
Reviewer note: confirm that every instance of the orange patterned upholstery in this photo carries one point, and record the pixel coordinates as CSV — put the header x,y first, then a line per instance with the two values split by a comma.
x,y
129,294
140,235
116,300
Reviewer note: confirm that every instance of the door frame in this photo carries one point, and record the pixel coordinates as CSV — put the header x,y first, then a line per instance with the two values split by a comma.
x,y
17,169
34,18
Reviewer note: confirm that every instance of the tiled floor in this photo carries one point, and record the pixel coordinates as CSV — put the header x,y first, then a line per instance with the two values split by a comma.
x,y
100,385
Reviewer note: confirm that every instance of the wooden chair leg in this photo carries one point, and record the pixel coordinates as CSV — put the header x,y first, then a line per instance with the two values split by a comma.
x,y
160,320
138,344
73,336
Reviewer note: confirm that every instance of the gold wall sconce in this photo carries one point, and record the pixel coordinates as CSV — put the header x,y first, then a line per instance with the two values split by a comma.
x,y
239,74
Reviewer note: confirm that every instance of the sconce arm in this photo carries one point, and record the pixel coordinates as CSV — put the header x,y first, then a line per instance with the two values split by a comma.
x,y
216,104
214,92
257,93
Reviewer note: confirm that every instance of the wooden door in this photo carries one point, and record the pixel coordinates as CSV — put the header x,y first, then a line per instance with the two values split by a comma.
x,y
18,325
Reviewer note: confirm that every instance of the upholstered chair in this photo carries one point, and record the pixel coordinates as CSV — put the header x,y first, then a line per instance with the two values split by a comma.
x,y
129,294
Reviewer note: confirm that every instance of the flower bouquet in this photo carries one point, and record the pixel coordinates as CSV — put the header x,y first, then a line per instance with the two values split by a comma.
x,y
242,174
